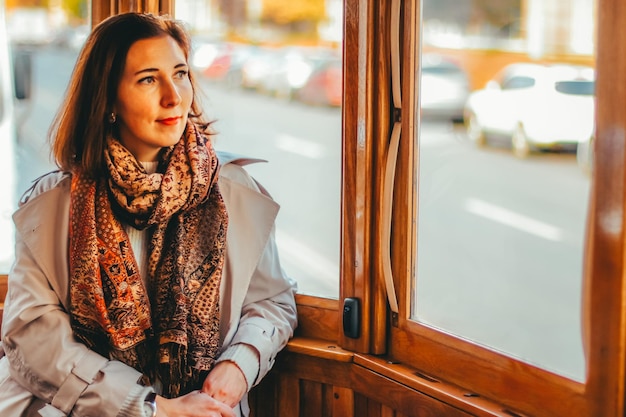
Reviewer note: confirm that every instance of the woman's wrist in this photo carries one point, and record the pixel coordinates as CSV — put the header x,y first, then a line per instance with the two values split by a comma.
x,y
162,406
246,358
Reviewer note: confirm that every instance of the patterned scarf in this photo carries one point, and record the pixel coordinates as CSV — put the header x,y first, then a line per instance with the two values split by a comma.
x,y
170,330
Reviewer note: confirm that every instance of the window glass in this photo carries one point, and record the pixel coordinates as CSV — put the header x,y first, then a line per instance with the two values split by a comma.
x,y
579,88
7,133
44,42
51,37
504,166
272,77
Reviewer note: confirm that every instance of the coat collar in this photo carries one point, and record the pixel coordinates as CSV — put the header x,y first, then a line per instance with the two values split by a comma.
x,y
42,225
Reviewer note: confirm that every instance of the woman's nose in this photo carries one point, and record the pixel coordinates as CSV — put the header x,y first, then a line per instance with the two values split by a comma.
x,y
170,95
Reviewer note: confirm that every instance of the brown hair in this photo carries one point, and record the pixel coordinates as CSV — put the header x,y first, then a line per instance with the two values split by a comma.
x,y
80,129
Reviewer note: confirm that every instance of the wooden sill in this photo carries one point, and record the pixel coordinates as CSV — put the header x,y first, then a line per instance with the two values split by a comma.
x,y
318,349
450,394
414,381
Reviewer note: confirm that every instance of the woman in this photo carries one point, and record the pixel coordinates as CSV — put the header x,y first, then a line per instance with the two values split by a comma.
x,y
145,284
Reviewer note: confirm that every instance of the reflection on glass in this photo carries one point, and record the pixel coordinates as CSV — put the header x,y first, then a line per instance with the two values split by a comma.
x,y
271,72
43,42
272,81
503,175
7,133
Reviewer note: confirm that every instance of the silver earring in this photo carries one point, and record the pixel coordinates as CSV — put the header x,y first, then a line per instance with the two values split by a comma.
x,y
112,118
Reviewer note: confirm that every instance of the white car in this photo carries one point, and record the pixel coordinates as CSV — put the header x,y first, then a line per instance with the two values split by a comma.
x,y
444,88
535,107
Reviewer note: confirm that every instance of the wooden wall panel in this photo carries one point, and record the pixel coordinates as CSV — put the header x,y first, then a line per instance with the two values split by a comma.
x,y
268,391
374,408
321,370
399,397
311,398
360,405
301,385
288,397
387,412
343,402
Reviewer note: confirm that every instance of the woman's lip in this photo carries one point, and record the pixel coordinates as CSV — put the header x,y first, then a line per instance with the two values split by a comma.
x,y
169,120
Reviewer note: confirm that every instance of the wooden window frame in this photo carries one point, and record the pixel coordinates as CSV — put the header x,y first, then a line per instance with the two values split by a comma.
x,y
102,9
520,387
367,117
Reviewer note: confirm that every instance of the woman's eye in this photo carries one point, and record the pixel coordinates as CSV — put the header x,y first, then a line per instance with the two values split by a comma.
x,y
146,80
182,74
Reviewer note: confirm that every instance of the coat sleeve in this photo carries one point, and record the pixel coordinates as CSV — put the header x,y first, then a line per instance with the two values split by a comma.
x,y
45,358
268,316
268,313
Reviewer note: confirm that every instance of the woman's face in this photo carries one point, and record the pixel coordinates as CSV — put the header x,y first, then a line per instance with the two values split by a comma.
x,y
153,97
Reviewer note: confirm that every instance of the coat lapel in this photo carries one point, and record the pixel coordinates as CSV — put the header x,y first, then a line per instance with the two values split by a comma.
x,y
251,220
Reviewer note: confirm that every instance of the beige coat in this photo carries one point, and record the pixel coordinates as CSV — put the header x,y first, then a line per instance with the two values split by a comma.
x,y
257,300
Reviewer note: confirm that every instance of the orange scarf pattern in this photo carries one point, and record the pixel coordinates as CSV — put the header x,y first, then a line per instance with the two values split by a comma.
x,y
168,330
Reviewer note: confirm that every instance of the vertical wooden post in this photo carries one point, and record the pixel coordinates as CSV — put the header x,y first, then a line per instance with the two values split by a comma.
x,y
100,10
605,267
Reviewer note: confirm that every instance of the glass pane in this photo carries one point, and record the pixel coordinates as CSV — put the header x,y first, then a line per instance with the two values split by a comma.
x,y
272,76
503,185
43,44
7,129
291,117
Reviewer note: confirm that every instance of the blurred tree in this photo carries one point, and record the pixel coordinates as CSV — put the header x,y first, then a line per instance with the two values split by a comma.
x,y
503,14
288,12
476,16
75,8
10,4
233,12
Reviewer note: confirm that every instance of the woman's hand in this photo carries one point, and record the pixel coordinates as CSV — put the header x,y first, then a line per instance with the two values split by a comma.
x,y
226,383
194,404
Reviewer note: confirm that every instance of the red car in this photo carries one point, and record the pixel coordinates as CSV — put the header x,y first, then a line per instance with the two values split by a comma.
x,y
325,85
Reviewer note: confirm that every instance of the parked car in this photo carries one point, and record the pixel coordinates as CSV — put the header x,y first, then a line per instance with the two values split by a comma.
x,y
204,52
325,84
535,107
444,87
292,68
258,66
585,155
225,69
